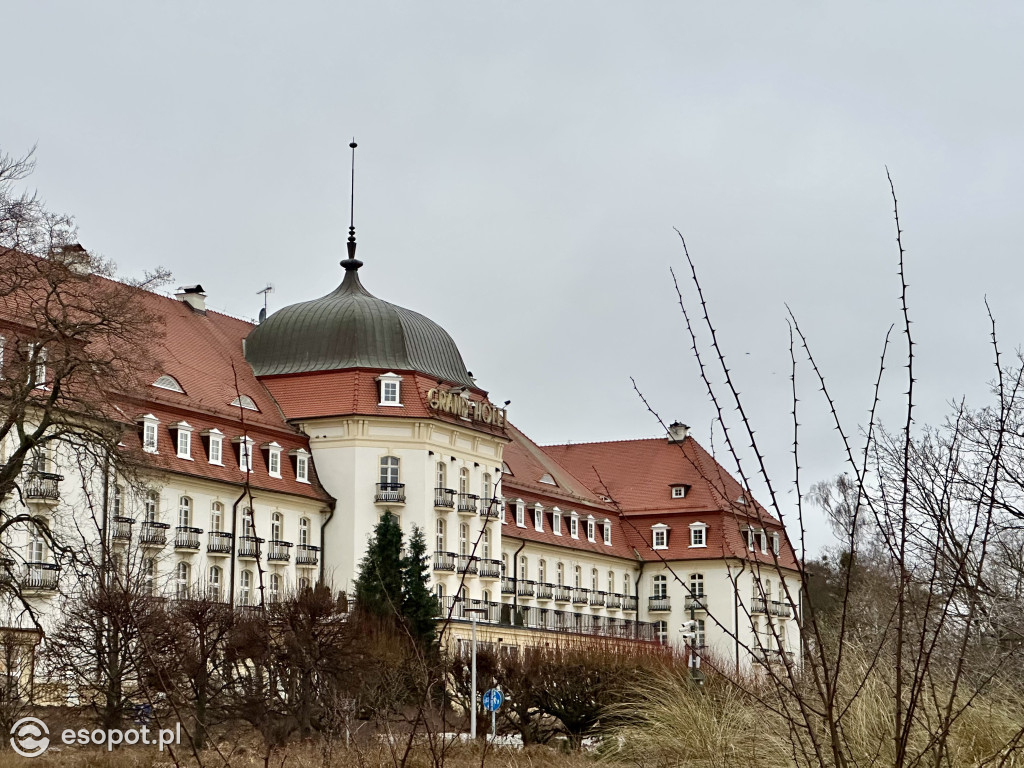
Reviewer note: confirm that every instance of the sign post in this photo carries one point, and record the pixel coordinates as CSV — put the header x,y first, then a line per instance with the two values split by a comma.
x,y
493,699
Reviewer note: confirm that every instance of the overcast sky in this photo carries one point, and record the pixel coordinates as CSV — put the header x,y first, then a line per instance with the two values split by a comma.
x,y
522,166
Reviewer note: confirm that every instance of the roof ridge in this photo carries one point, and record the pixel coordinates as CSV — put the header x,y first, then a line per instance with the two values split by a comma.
x,y
599,442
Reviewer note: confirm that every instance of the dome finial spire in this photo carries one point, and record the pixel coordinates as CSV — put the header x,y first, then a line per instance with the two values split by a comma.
x,y
352,263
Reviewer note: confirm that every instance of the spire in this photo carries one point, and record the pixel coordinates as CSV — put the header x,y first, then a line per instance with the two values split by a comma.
x,y
351,264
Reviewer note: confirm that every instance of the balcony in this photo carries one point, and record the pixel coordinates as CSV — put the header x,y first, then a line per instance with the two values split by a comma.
x,y
153,534
758,605
629,603
466,564
279,551
40,577
562,594
489,569
762,656
545,591
597,598
42,486
444,498
781,609
579,596
249,547
614,602
696,603
187,537
468,503
122,529
307,554
490,509
444,561
219,543
390,493
524,588
508,587
657,603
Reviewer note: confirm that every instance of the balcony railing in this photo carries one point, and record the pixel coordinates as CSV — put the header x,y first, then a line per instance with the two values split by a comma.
x,y
490,569
562,594
597,598
122,530
545,591
249,547
444,498
579,596
6,570
390,493
220,543
307,554
614,602
490,509
524,588
43,486
444,561
467,503
781,609
467,564
187,537
758,605
532,617
153,534
629,603
40,576
696,603
279,551
763,656
659,603
508,587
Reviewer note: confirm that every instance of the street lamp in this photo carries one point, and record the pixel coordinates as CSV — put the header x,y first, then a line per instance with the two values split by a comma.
x,y
472,710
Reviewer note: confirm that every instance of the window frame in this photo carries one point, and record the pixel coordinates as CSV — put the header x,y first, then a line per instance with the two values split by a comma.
x,y
659,531
556,521
389,384
699,531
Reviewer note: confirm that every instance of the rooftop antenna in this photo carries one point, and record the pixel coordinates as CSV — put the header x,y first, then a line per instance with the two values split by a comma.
x,y
352,263
268,290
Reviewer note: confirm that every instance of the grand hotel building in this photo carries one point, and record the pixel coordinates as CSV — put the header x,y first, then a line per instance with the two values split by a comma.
x,y
337,410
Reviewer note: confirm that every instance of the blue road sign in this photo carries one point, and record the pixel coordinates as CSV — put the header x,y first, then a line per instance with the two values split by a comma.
x,y
493,699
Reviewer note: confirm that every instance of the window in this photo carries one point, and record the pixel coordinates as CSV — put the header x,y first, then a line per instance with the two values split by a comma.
x,y
36,548
764,542
775,543
168,382
659,536
611,582
520,513
439,542
301,465
276,527
389,470
217,517
464,480
487,544
390,389
439,592
485,487
574,525
504,563
678,491
660,586
661,631
442,475
118,500
524,569
556,521
273,459
699,637
244,453
149,432
275,587
185,511
696,584
560,575
593,579
304,531
215,443
248,528
625,584
590,528
181,579
244,401
303,583
148,576
213,582
538,517
486,595
577,577
464,539
698,535
37,359
184,440
152,506
245,588
608,532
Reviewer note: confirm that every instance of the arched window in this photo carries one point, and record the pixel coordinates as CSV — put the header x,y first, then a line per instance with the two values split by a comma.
x,y
626,582
464,480
464,539
248,528
523,567
485,487
697,584
440,535
560,575
439,591
660,586
152,506
577,577
611,582
504,563
661,631
486,544
245,588
276,527
274,587
389,470
185,511
303,583
593,579
182,576
304,531
213,582
442,475
542,571
217,517
487,595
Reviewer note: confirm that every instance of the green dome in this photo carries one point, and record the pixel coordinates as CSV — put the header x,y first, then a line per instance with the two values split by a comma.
x,y
352,328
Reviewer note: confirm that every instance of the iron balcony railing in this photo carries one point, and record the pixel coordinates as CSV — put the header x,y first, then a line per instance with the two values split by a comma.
x,y
659,603
122,530
43,485
597,598
220,543
279,551
544,591
467,502
508,586
579,596
444,498
307,554
6,571
444,561
40,576
696,603
467,564
758,605
779,608
390,493
614,602
629,603
249,547
534,617
490,509
489,569
562,594
187,537
153,534
524,588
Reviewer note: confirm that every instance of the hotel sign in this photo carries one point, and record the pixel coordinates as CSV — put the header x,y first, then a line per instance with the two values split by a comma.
x,y
464,408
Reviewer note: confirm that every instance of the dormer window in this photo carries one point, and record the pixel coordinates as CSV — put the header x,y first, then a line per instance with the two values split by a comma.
x,y
775,543
390,389
556,521
659,536
183,438
214,445
538,517
607,532
37,361
547,479
520,513
244,401
244,452
679,490
149,424
168,382
591,525
301,457
273,458
574,525
698,535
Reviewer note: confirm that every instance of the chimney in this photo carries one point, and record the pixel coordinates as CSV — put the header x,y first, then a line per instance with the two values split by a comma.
x,y
194,296
73,256
677,432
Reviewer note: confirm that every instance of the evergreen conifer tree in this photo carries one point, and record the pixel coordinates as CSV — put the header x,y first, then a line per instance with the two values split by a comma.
x,y
419,606
379,584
